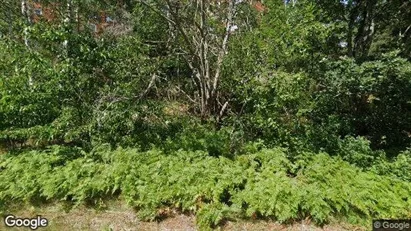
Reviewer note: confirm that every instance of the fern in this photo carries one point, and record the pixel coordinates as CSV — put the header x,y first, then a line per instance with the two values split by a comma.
x,y
264,184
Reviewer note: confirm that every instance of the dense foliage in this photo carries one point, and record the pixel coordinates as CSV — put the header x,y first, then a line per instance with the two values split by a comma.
x,y
284,109
259,184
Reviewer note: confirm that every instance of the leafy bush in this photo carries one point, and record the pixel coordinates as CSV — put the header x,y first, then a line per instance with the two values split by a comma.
x,y
358,152
399,167
193,137
366,99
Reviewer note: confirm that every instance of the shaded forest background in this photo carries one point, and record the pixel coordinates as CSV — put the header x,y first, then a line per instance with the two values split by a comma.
x,y
294,102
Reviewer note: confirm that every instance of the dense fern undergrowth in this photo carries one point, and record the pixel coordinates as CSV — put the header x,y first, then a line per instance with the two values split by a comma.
x,y
261,184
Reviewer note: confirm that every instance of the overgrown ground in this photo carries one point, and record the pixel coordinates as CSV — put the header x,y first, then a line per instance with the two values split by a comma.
x,y
262,184
118,216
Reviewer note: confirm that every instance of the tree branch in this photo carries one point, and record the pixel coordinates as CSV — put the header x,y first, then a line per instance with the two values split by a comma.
x,y
153,79
223,49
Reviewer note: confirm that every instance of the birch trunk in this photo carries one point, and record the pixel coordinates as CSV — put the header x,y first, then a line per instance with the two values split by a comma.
x,y
25,10
68,25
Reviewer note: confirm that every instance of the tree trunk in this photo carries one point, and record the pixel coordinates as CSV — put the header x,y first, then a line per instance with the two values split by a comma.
x,y
68,26
366,30
203,49
351,21
25,10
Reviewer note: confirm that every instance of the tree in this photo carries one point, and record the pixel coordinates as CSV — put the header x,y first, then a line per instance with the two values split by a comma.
x,y
200,32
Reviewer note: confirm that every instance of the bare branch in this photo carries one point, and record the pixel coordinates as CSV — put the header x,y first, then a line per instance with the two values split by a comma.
x,y
179,27
152,81
223,49
157,12
406,31
185,94
223,109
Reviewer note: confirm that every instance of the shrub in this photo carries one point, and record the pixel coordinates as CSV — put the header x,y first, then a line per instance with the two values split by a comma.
x,y
357,151
398,168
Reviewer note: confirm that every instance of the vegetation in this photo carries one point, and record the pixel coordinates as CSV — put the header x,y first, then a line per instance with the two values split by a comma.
x,y
287,110
259,184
